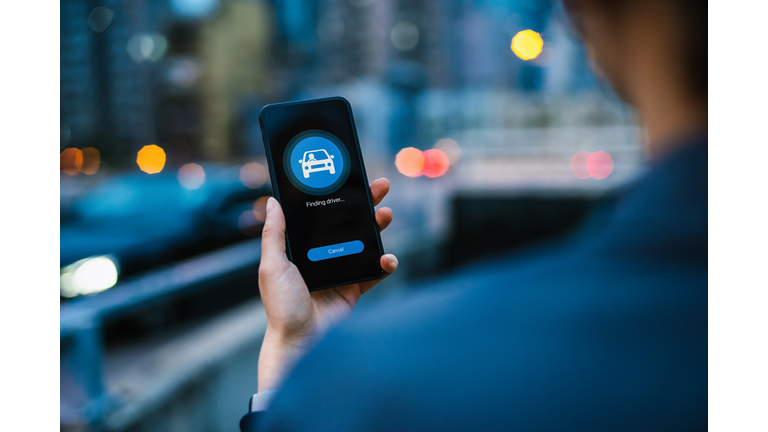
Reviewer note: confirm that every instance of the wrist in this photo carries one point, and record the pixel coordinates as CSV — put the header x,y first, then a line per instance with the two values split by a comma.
x,y
279,353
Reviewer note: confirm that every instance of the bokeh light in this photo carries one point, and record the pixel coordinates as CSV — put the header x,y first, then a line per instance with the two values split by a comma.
x,y
579,164
88,276
527,44
253,175
191,176
409,162
599,165
260,208
183,73
151,159
100,19
147,47
70,161
194,9
436,163
94,275
450,148
91,161
404,35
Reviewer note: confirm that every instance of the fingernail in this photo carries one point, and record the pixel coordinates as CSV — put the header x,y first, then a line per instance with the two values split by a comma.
x,y
392,259
270,204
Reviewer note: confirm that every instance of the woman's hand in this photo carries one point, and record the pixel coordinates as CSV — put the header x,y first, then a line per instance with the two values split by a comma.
x,y
296,318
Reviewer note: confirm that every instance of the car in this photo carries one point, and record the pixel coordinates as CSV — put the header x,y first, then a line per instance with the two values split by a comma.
x,y
147,221
310,164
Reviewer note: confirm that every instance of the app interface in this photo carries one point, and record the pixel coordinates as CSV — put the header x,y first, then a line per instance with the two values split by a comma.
x,y
321,184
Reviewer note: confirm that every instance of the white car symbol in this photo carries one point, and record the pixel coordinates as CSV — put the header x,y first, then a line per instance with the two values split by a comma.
x,y
317,160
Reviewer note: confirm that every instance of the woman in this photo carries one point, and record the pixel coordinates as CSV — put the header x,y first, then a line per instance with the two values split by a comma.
x,y
609,334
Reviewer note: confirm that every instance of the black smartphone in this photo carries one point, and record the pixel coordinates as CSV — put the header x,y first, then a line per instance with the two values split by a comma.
x,y
319,178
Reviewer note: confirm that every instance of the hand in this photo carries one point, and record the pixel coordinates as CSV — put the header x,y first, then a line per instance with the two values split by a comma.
x,y
296,318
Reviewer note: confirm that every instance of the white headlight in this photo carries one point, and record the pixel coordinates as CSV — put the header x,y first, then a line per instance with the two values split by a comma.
x,y
88,276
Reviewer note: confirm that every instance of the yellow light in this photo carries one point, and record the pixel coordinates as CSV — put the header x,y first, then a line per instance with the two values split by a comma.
x,y
191,176
91,161
71,160
527,44
410,161
151,159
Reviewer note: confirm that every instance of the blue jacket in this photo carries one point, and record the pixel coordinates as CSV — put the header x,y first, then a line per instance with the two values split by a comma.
x,y
606,333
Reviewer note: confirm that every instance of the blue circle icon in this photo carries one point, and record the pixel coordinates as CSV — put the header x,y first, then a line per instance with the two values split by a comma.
x,y
316,162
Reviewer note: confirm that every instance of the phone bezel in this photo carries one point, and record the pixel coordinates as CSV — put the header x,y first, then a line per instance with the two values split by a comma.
x,y
271,166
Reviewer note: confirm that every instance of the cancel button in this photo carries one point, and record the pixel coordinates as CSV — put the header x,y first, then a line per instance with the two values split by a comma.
x,y
336,250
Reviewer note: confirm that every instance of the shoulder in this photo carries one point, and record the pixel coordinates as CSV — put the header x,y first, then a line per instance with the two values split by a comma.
x,y
462,346
609,334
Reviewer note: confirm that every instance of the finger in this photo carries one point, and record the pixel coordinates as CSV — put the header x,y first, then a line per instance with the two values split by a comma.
x,y
379,189
388,264
383,217
273,234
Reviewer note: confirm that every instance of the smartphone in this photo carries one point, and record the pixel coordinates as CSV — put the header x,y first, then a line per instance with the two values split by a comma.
x,y
319,178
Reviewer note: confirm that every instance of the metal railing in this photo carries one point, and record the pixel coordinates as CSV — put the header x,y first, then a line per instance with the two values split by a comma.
x,y
82,320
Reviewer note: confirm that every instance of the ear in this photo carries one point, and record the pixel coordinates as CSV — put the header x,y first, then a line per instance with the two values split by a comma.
x,y
594,62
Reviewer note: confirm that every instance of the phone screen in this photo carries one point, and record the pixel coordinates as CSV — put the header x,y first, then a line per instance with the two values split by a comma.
x,y
319,179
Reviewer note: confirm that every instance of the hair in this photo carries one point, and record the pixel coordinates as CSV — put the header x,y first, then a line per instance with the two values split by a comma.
x,y
692,19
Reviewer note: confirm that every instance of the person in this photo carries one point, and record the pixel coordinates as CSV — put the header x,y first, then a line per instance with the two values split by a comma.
x,y
312,158
608,332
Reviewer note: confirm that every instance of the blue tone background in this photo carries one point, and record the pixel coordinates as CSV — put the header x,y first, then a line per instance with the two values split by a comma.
x,y
318,179
191,76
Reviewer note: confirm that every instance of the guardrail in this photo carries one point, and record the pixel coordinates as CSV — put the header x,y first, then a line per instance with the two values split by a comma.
x,y
82,320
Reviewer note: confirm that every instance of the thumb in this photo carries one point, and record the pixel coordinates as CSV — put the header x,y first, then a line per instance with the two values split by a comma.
x,y
273,234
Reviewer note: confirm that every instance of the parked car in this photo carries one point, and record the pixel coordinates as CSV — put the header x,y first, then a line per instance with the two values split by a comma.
x,y
143,221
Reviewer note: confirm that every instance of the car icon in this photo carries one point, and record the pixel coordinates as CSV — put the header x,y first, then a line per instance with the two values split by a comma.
x,y
317,160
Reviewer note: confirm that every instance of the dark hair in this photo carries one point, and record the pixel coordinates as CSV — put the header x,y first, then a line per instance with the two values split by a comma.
x,y
692,19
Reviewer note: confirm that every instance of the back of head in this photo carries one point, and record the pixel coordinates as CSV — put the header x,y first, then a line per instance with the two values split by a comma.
x,y
654,54
682,24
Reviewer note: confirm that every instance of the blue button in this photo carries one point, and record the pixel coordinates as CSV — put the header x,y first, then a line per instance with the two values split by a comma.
x,y
337,250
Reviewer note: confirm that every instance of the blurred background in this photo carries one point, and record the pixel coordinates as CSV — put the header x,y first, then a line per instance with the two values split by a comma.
x,y
484,114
